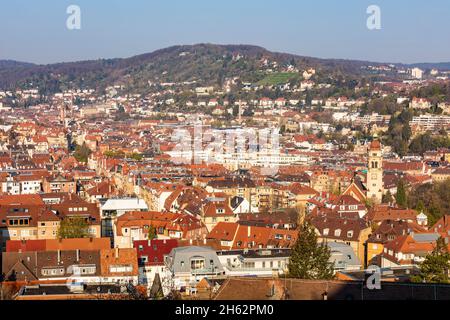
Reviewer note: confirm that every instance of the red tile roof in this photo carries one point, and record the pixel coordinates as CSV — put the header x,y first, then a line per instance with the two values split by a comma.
x,y
154,250
28,200
58,244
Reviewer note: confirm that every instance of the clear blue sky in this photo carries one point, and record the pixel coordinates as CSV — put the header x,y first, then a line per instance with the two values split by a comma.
x,y
412,30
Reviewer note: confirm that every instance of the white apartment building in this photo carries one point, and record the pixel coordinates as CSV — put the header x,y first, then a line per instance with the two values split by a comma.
x,y
430,122
255,263
372,118
11,186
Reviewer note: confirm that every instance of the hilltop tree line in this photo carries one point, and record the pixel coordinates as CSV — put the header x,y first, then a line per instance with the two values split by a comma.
x,y
433,199
427,142
436,93
399,137
399,132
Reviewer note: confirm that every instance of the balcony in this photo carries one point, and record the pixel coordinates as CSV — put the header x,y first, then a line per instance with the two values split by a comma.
x,y
254,271
206,271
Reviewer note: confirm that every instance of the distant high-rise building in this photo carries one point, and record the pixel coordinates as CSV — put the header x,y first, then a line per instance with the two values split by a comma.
x,y
417,73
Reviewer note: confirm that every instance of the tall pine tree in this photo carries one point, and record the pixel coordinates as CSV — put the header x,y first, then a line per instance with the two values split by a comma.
x,y
420,208
388,198
435,267
309,259
152,233
401,197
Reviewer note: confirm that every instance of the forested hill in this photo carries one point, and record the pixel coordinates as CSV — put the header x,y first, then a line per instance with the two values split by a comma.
x,y
206,64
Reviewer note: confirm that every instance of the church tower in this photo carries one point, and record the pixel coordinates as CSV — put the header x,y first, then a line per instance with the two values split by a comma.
x,y
62,115
375,187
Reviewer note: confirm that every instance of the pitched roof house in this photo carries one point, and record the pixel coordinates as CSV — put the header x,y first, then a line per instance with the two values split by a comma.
x,y
237,236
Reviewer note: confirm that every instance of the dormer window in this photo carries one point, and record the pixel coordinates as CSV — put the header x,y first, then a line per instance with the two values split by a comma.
x,y
326,231
350,234
197,264
337,233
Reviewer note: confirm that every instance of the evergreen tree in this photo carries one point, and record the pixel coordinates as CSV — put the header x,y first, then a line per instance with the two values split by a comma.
x,y
82,153
436,265
73,227
388,198
401,194
309,259
420,208
152,234
156,290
